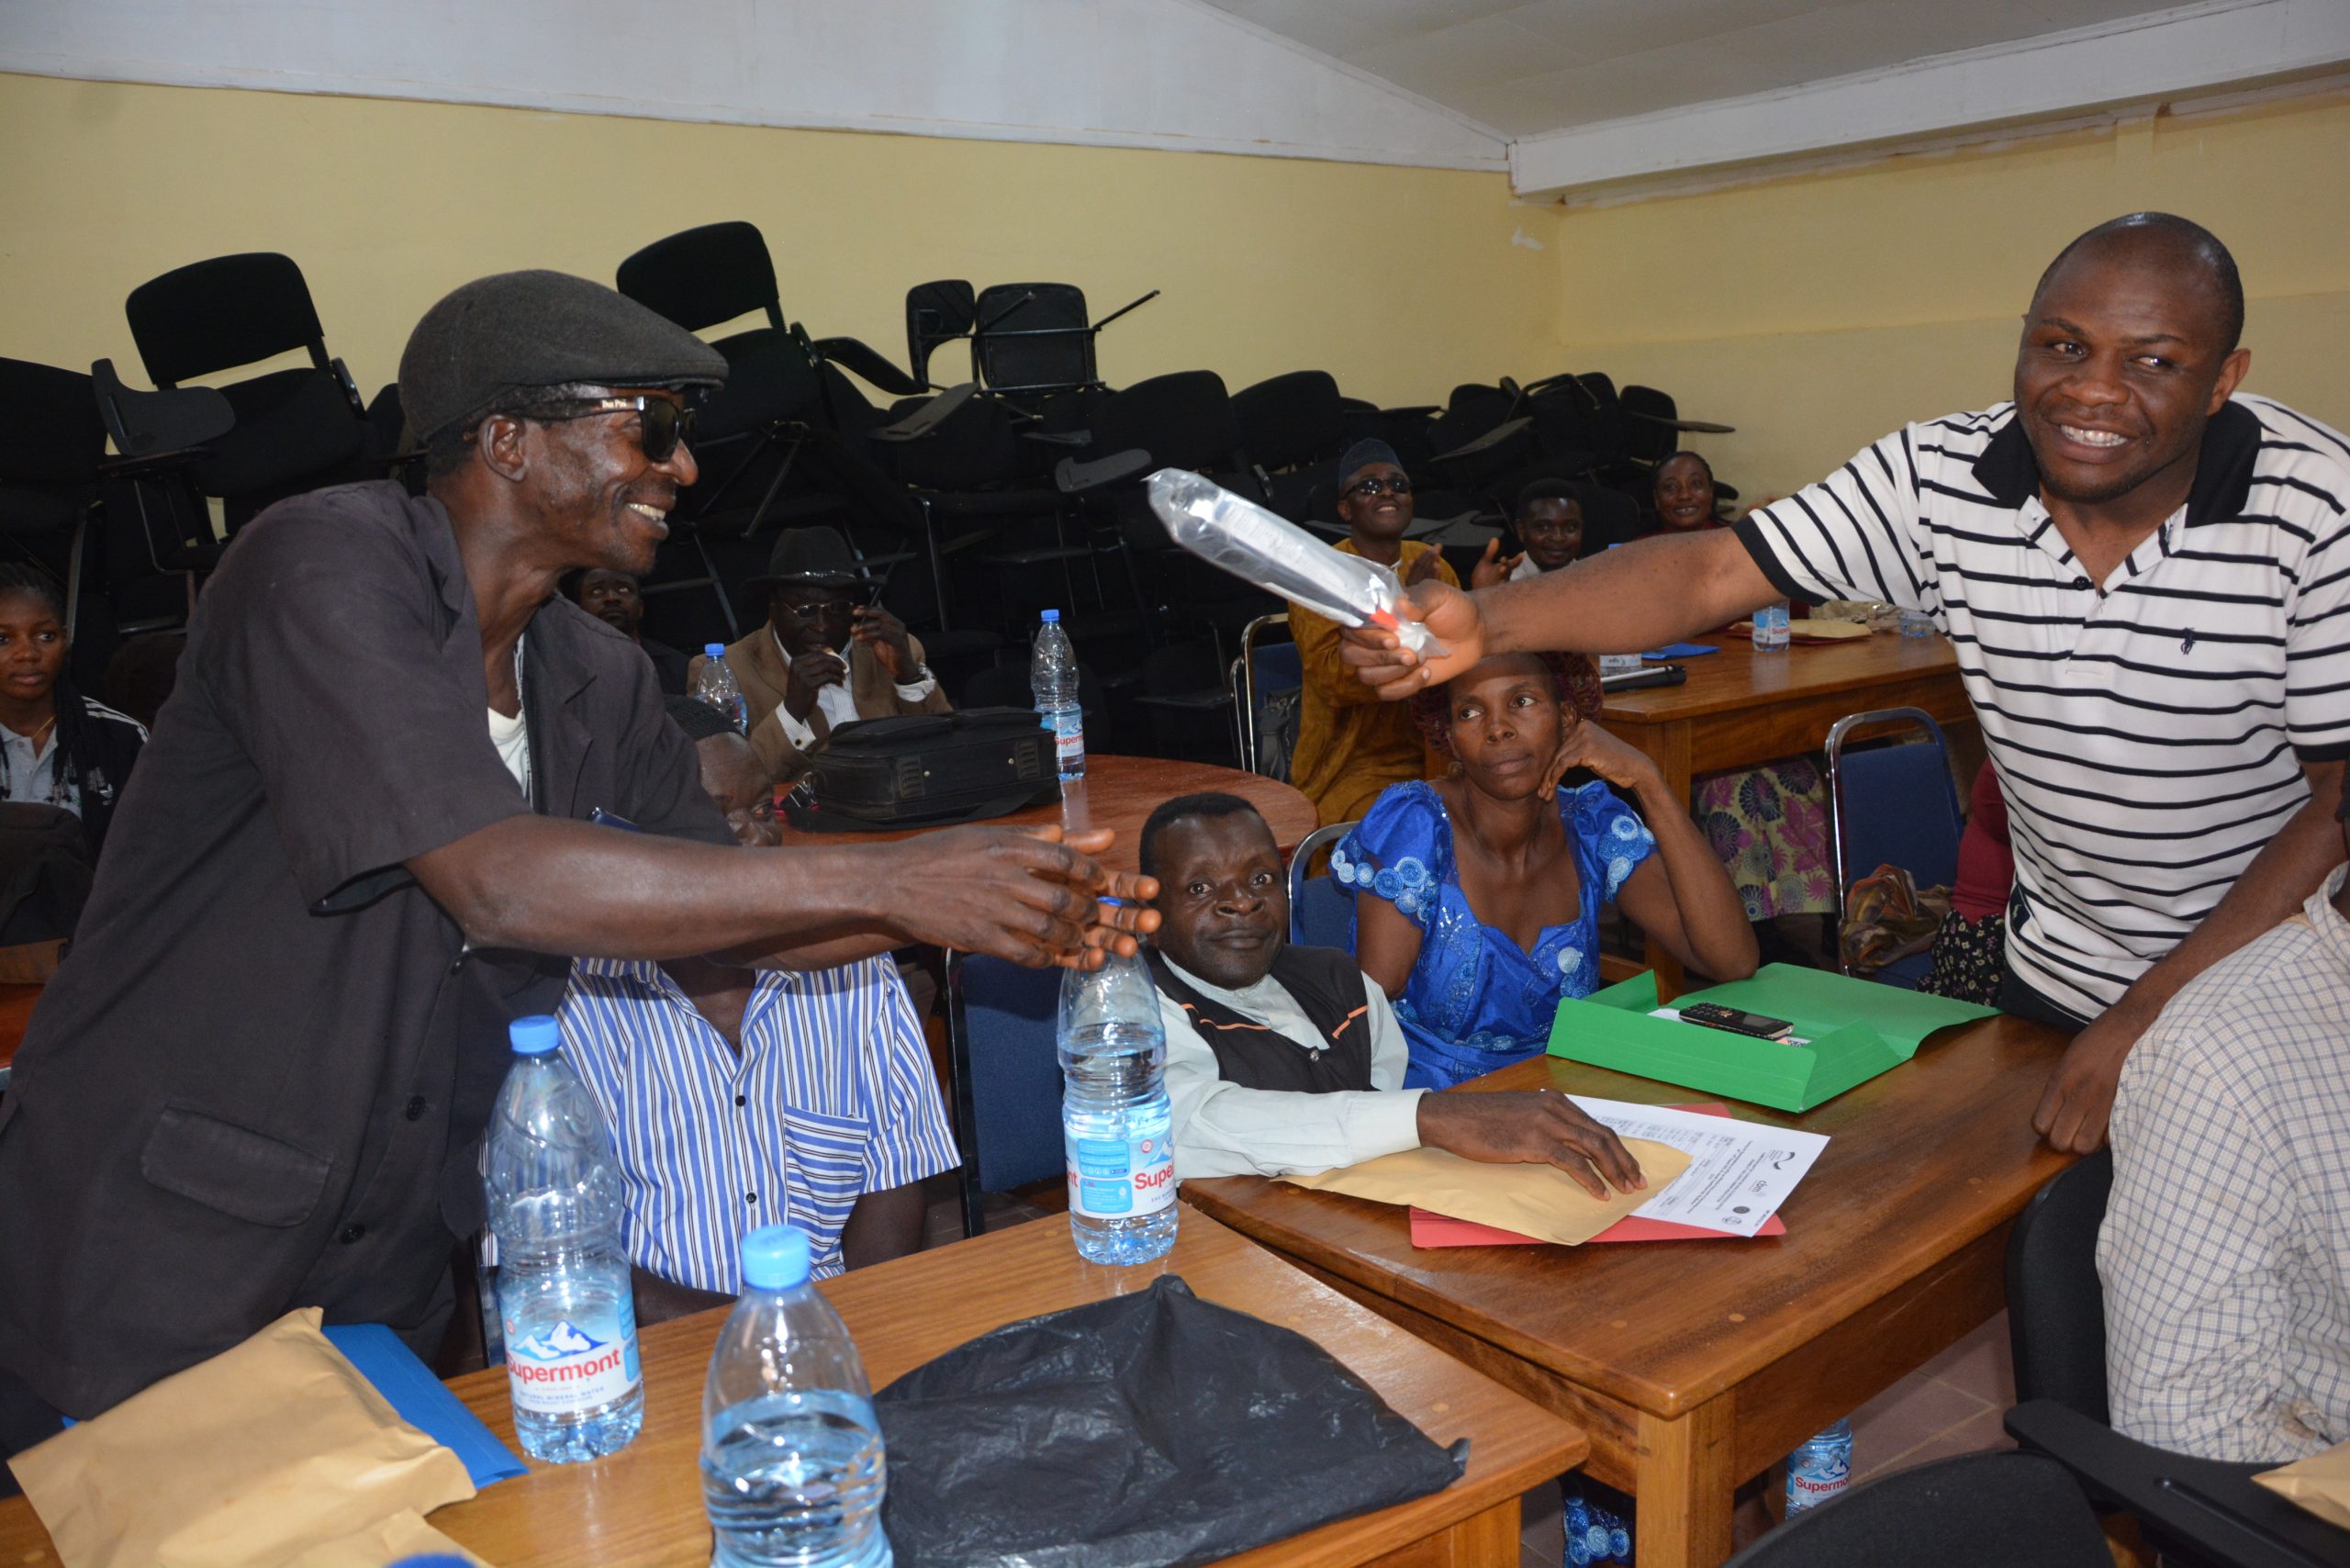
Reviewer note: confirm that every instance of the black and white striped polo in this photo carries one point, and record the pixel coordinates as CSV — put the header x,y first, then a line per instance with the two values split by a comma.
x,y
2149,735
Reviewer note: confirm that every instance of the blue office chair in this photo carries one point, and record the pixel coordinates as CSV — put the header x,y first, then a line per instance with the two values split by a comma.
x,y
1000,1026
1892,805
1264,672
1321,913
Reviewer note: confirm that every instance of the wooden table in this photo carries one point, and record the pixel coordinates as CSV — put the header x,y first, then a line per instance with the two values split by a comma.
x,y
1694,1365
1121,792
1739,708
643,1506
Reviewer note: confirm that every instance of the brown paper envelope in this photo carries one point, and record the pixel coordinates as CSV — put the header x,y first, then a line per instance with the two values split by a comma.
x,y
255,1456
2320,1483
1532,1200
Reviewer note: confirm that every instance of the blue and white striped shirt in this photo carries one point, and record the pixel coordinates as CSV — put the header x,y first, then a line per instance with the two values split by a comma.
x,y
831,1097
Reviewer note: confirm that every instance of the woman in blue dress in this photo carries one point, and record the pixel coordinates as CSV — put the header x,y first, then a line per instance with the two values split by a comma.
x,y
1477,897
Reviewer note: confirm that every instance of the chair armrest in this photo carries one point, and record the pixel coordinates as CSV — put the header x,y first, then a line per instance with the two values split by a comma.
x,y
1492,438
1060,437
1075,478
2210,1508
930,416
867,365
1703,427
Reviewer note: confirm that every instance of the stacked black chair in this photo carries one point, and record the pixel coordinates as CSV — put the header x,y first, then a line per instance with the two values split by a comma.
x,y
296,429
1032,341
2197,1511
938,314
159,537
1294,427
51,443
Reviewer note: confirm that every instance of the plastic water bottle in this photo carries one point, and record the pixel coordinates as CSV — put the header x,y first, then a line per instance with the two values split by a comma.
x,y
792,1467
1115,1121
1052,677
563,1292
714,684
1819,1469
1771,634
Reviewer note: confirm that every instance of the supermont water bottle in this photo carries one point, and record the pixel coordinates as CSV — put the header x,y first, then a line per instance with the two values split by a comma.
x,y
1820,1468
563,1290
792,1467
1052,678
1771,630
714,684
1115,1121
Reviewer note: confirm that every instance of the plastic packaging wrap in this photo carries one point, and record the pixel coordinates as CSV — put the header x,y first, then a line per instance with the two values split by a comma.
x,y
1276,554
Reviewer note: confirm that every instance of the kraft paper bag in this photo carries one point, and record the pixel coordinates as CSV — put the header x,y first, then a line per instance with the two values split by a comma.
x,y
1540,1200
268,1453
2320,1483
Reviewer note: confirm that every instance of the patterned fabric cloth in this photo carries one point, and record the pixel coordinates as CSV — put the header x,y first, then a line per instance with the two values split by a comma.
x,y
831,1098
2226,1248
1888,917
1769,826
1970,958
1476,1000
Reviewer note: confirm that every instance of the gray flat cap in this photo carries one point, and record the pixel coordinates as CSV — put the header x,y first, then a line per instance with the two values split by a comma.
x,y
539,328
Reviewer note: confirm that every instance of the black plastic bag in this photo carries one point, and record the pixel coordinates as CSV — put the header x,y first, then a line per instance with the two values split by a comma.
x,y
1145,1431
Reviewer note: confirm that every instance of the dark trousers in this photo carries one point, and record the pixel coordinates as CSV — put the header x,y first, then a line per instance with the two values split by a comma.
x,y
2020,1000
25,1419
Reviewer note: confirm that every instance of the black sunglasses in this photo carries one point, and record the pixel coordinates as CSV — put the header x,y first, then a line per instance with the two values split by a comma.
x,y
1399,485
665,425
827,607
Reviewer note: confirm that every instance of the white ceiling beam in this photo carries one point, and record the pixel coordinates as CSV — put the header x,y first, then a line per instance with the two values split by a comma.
x,y
2145,59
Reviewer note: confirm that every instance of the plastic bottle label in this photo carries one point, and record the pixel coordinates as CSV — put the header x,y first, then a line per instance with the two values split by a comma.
x,y
1815,1477
1120,1178
565,1368
1068,738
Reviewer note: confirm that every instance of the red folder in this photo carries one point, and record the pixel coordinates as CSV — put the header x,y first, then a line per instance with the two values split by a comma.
x,y
1442,1230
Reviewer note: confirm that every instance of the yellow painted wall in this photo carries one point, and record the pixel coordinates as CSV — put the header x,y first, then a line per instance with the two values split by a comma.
x,y
1399,281
1817,312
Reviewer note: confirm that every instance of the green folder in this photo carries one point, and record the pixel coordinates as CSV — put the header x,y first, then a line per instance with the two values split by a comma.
x,y
1857,1029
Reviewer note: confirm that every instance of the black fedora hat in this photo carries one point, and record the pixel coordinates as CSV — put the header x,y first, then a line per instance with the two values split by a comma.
x,y
818,556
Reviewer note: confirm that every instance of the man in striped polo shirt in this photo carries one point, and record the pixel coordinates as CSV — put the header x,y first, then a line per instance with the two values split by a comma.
x,y
2146,580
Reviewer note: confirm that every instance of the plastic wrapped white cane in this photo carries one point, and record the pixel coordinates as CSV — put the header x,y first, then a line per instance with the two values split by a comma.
x,y
1260,547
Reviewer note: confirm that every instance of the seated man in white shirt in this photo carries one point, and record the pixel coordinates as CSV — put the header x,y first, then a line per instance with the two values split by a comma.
x,y
1281,1060
2226,1248
826,656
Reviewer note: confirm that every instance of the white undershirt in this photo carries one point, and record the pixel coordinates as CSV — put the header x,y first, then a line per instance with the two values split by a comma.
x,y
512,739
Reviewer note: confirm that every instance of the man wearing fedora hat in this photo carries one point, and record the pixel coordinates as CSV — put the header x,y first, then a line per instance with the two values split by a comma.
x,y
363,839
827,655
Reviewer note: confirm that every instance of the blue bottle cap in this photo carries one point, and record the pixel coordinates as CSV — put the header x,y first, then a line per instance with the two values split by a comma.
x,y
715,650
775,1258
534,1036
1052,617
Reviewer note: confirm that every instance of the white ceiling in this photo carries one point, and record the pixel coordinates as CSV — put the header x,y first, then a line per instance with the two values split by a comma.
x,y
1523,67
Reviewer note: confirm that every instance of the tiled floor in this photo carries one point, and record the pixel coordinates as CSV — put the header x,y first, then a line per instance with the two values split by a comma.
x,y
1949,1406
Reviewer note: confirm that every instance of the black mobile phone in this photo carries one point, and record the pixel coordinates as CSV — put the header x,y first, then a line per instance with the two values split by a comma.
x,y
1637,680
1713,1015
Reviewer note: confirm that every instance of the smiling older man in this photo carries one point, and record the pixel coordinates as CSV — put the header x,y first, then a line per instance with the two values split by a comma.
x,y
2147,581
354,850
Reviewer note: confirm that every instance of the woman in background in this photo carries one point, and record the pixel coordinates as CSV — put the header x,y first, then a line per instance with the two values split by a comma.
x,y
1478,896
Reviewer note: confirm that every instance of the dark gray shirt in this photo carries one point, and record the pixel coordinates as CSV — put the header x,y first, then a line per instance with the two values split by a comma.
x,y
258,1082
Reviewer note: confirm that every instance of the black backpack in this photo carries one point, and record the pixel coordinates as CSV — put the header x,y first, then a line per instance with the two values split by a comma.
x,y
927,770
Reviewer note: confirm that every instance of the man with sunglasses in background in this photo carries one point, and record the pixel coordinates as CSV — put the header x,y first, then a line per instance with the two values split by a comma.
x,y
356,848
1350,746
828,654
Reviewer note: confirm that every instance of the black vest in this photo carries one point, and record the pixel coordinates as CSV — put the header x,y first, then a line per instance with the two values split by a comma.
x,y
1327,988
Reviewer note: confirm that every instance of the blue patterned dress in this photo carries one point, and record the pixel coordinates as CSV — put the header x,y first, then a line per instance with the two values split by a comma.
x,y
1476,1000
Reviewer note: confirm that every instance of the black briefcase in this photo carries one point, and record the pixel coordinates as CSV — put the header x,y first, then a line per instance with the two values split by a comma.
x,y
927,769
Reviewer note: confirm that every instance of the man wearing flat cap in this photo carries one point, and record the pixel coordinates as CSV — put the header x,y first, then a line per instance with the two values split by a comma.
x,y
1349,744
356,848
828,655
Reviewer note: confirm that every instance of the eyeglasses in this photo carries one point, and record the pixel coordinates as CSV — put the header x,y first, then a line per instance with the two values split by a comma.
x,y
666,424
1375,487
829,607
